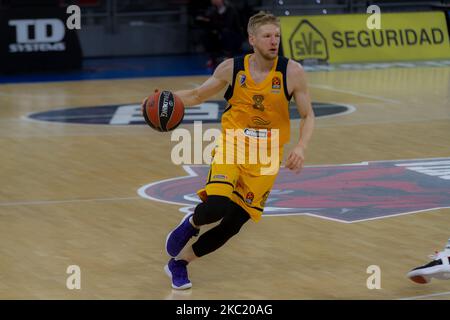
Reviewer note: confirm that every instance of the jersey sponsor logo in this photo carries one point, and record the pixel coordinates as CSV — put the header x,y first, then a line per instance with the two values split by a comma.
x,y
345,193
130,114
220,177
255,133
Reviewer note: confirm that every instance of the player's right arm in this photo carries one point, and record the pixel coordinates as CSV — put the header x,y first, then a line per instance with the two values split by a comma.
x,y
220,78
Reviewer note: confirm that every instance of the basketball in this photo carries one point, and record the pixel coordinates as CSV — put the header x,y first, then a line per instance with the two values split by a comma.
x,y
163,110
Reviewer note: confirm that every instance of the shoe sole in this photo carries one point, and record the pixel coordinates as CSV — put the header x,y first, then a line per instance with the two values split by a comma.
x,y
168,236
424,275
169,274
419,279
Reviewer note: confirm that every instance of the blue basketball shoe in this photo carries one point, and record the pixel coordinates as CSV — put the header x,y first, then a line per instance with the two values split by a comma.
x,y
177,271
177,239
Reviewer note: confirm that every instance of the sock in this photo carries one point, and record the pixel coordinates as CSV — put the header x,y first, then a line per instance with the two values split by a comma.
x,y
191,221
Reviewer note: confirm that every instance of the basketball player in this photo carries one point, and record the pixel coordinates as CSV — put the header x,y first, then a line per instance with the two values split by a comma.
x,y
438,268
260,86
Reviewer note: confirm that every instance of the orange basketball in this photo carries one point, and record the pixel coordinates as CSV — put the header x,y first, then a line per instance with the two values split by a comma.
x,y
163,110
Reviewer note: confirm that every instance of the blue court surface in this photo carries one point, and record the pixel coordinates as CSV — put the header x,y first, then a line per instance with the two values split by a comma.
x,y
116,68
177,65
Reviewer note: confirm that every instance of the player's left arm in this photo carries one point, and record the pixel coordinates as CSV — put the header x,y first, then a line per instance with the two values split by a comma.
x,y
297,77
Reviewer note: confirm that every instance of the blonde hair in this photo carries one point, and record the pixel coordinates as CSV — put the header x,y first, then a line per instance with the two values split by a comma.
x,y
260,19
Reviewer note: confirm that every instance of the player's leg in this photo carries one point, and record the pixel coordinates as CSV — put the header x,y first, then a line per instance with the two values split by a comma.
x,y
216,237
247,201
211,240
211,210
208,242
219,187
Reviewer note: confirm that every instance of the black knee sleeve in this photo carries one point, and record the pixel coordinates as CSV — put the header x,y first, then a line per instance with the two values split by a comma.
x,y
210,211
233,221
219,235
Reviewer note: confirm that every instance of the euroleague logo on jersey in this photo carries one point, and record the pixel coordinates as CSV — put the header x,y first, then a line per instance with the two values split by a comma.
x,y
276,83
207,112
249,198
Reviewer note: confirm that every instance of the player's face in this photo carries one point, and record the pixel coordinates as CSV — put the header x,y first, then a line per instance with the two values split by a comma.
x,y
266,41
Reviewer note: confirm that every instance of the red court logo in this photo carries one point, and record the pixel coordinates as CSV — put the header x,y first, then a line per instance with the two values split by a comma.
x,y
345,193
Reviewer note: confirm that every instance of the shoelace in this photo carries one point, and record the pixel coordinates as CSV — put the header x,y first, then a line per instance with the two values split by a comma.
x,y
433,256
437,255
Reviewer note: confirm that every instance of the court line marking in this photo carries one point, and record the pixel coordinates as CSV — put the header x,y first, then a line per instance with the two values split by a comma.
x,y
71,96
327,87
381,122
141,190
40,202
426,296
47,120
398,214
129,133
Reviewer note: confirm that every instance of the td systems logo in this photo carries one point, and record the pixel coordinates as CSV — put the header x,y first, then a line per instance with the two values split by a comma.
x,y
208,112
38,35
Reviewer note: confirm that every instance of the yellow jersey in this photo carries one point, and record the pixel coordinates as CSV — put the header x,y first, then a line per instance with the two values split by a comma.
x,y
258,108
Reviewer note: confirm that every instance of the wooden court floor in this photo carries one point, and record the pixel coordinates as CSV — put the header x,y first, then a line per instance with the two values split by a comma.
x,y
68,196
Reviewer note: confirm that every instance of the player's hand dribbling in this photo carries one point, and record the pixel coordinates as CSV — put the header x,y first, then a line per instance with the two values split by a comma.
x,y
296,159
